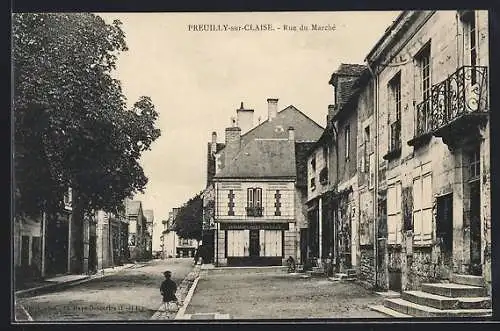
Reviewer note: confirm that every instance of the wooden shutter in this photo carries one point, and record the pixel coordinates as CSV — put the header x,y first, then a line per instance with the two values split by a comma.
x,y
258,197
391,210
246,242
262,239
398,214
417,205
250,198
427,207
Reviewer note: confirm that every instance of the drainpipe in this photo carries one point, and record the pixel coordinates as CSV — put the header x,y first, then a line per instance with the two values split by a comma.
x,y
336,217
375,184
44,233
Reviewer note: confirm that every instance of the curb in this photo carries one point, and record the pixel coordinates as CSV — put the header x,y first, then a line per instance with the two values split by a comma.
x,y
186,285
62,285
180,314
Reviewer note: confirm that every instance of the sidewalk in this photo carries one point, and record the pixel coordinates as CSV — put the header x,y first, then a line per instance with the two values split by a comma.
x,y
59,282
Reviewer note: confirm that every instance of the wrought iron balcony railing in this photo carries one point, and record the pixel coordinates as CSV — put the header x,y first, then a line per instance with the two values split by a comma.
x,y
463,92
395,136
255,211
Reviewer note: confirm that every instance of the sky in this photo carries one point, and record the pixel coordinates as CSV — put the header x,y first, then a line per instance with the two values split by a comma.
x,y
197,80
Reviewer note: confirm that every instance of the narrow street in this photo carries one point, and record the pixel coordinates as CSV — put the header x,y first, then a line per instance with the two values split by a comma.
x,y
131,294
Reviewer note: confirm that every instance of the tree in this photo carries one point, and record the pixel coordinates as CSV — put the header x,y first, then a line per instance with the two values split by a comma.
x,y
72,126
188,221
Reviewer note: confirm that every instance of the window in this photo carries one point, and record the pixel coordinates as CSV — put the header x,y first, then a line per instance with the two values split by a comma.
x,y
395,127
366,143
347,140
313,184
394,213
325,156
313,163
271,243
470,41
277,203
254,202
424,72
230,204
474,164
422,209
237,242
68,198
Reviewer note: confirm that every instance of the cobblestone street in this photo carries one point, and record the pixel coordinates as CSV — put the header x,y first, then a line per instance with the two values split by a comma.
x,y
131,294
272,293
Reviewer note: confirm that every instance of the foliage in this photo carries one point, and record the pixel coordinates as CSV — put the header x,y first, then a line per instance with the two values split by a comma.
x,y
72,126
188,222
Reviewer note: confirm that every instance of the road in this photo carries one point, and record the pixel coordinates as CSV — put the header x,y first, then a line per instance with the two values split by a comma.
x,y
271,294
130,294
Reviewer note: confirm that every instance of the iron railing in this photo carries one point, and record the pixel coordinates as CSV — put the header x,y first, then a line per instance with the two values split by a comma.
x,y
255,211
463,92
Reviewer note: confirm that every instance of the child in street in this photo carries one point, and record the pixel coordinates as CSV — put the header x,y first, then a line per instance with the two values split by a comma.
x,y
168,289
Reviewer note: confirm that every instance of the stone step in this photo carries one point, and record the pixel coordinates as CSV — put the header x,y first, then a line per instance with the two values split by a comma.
x,y
453,290
443,302
468,280
388,311
351,272
416,310
313,273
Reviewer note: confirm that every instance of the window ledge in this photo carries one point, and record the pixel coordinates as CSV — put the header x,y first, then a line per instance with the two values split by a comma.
x,y
420,141
392,154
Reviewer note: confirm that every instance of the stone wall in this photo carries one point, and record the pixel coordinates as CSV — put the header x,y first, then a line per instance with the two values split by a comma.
x,y
367,265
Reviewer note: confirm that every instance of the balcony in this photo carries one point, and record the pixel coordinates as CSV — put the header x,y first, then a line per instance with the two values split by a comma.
x,y
254,211
323,176
395,142
456,109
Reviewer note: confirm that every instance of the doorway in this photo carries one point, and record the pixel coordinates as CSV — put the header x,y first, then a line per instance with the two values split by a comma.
x,y
254,244
303,246
474,189
444,232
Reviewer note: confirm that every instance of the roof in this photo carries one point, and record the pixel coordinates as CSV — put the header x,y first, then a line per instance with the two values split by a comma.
x,y
305,128
387,34
262,158
301,153
351,90
133,207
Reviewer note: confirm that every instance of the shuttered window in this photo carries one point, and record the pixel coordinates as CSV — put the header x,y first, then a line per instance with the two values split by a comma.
x,y
422,209
394,214
271,243
237,243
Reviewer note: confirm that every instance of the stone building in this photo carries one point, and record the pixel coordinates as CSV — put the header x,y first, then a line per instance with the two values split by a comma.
x,y
137,230
433,155
260,188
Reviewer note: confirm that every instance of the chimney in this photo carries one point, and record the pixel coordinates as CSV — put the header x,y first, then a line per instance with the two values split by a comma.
x,y
291,133
329,116
272,106
213,146
233,143
244,118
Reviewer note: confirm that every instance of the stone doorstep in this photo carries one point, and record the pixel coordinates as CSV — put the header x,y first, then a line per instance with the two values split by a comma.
x,y
468,280
206,316
443,302
389,294
388,311
454,290
416,310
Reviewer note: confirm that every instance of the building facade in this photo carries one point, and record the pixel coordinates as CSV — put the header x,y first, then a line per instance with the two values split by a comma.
x,y
431,71
137,229
258,205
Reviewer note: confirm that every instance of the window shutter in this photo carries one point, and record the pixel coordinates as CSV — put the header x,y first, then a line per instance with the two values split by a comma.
x,y
250,198
427,208
258,197
262,239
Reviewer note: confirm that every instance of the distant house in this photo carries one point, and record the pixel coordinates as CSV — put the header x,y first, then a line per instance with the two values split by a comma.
x,y
259,187
137,230
148,213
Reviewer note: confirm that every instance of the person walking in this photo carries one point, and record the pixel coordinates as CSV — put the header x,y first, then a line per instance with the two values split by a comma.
x,y
168,289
